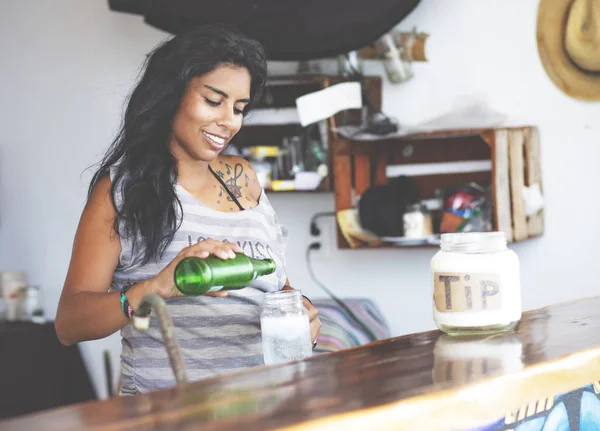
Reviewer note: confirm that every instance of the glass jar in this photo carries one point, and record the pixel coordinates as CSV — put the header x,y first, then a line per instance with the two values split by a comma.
x,y
435,207
476,284
395,59
11,284
285,327
30,305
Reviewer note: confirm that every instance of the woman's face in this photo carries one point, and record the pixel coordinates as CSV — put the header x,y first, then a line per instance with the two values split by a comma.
x,y
210,113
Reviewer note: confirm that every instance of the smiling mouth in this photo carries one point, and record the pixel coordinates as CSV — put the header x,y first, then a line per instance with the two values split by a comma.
x,y
216,141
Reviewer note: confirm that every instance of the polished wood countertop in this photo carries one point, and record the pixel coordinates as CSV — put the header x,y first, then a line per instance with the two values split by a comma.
x,y
419,381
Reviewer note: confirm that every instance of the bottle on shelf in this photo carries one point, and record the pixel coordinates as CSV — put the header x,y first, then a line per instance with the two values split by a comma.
x,y
196,276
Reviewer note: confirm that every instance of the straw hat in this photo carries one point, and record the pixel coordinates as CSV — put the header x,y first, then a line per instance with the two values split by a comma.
x,y
568,40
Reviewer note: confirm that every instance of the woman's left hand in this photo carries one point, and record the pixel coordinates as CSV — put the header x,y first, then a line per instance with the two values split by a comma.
x,y
315,322
313,316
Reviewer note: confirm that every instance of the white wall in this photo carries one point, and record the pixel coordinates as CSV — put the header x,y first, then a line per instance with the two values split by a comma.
x,y
67,66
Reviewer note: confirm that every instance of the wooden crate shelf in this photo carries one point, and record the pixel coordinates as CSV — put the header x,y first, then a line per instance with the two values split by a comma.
x,y
282,92
514,155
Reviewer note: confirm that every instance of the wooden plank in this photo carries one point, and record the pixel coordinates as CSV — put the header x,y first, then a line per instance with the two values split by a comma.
x,y
432,150
533,175
500,185
362,174
488,137
342,181
332,140
381,161
517,183
485,133
373,90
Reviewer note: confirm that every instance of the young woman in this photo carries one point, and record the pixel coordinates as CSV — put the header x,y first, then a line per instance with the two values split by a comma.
x,y
163,192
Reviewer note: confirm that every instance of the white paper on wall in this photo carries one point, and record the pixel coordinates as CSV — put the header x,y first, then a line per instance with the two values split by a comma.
x,y
325,103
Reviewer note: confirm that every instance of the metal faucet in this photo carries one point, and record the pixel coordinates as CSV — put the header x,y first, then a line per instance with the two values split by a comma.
x,y
141,321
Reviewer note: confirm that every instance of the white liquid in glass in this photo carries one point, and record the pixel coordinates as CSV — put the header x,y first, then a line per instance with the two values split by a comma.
x,y
285,338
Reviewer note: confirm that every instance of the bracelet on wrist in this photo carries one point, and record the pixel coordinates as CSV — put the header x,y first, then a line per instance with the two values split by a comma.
x,y
125,306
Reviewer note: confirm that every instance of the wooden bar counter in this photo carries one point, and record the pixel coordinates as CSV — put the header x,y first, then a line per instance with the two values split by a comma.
x,y
424,381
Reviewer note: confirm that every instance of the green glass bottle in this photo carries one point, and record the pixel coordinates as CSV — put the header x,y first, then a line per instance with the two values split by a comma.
x,y
196,276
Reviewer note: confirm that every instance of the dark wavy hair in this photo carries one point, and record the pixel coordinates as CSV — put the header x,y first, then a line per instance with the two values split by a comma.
x,y
146,171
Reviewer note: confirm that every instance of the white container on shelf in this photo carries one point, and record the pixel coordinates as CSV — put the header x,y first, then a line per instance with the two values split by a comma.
x,y
11,285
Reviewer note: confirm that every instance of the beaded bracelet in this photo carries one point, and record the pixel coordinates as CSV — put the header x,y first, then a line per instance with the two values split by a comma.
x,y
127,310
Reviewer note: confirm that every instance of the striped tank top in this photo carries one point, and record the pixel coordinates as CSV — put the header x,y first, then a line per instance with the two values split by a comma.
x,y
216,335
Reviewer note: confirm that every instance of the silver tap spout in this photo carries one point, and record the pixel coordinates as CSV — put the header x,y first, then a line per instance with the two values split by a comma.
x,y
141,321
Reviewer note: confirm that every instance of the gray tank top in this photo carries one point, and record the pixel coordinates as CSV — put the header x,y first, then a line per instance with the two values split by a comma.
x,y
216,335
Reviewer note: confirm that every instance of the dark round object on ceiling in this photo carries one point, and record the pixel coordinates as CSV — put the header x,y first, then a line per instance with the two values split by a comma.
x,y
289,30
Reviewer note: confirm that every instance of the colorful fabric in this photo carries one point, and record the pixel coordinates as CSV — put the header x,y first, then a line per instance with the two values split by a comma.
x,y
340,330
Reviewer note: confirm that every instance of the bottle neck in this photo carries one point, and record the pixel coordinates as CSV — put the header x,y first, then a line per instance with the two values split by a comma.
x,y
263,266
474,242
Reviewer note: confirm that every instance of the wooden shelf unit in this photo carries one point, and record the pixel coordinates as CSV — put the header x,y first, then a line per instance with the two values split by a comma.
x,y
282,92
515,163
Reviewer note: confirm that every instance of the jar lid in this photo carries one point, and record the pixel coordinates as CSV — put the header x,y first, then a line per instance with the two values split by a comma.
x,y
283,297
473,242
415,208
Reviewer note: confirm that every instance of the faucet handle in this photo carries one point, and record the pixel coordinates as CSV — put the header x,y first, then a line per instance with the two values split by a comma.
x,y
141,323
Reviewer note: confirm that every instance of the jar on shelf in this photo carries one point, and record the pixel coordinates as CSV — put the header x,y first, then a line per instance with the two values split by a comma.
x,y
395,59
30,306
435,207
417,221
285,327
476,284
11,284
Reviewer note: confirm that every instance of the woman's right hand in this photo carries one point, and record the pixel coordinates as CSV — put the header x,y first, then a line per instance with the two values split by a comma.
x,y
163,283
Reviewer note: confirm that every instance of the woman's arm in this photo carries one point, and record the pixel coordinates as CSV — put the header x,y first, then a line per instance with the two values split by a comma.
x,y
87,310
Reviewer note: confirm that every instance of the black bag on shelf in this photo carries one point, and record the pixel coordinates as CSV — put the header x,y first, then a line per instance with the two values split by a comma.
x,y
381,208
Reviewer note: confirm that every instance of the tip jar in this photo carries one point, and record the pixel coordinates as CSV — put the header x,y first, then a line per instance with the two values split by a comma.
x,y
476,284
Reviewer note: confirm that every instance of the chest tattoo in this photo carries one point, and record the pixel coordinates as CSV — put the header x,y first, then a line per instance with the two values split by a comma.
x,y
234,178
